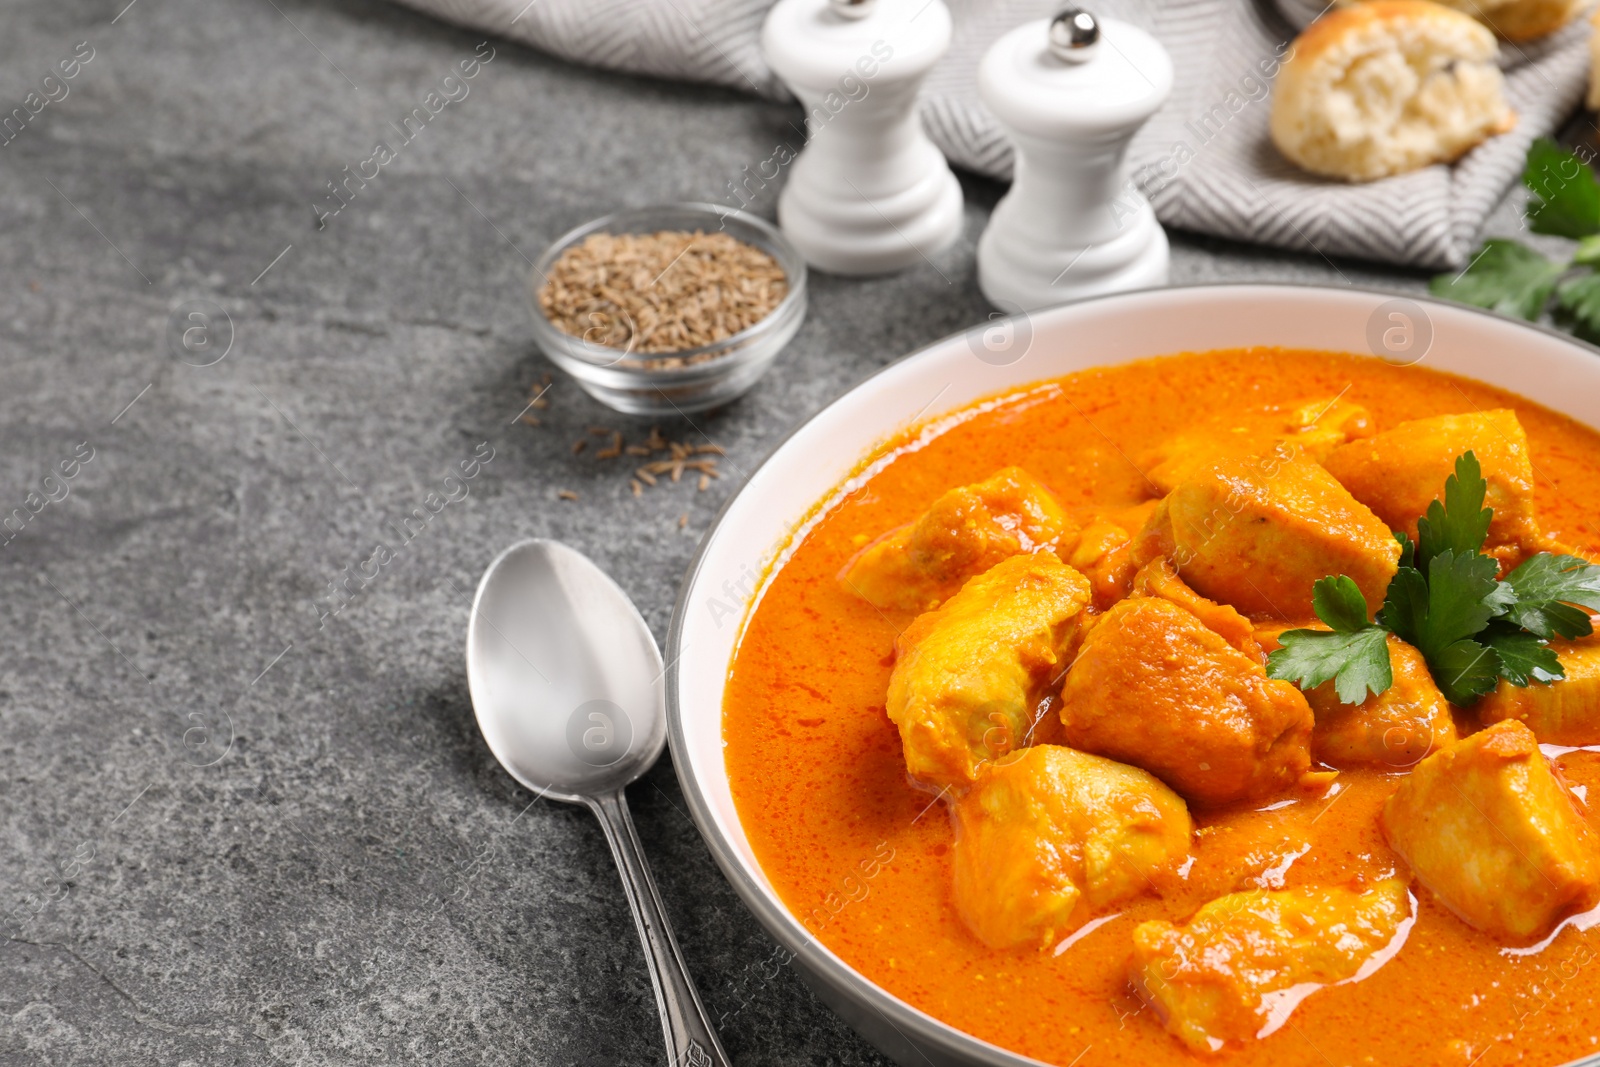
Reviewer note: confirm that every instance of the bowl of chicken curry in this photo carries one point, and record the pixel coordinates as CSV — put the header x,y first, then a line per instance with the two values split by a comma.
x,y
1205,684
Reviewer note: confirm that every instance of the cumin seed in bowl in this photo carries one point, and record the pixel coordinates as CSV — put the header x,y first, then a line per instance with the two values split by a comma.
x,y
661,292
670,309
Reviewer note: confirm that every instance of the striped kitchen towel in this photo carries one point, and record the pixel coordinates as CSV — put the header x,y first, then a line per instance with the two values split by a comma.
x,y
1205,160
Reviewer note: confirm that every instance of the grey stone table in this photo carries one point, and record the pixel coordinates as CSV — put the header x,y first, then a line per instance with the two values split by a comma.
x,y
236,828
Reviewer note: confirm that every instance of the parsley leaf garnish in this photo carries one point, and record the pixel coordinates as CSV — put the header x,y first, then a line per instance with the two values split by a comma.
x,y
1524,657
1566,197
1408,549
1579,298
1464,593
1546,586
1356,661
1405,605
1513,279
1461,522
1587,254
1506,276
1447,600
1354,654
1439,612
1464,671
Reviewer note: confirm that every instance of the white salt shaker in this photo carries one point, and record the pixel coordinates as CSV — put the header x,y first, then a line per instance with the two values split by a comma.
x,y
1071,92
869,193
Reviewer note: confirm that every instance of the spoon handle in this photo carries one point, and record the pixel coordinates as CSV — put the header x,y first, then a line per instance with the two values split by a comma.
x,y
691,1042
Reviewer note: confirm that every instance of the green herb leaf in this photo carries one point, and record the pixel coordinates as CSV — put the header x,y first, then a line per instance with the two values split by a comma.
x,y
1408,549
1465,670
1579,297
1566,197
1587,253
1339,603
1355,656
1356,661
1464,593
1440,612
1448,601
1461,522
1524,658
1546,586
1506,276
1405,605
1514,279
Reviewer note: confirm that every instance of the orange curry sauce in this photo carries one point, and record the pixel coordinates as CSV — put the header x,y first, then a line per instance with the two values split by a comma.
x,y
863,856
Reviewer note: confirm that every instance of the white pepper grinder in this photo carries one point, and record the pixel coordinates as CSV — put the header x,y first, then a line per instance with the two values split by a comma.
x,y
869,193
1071,92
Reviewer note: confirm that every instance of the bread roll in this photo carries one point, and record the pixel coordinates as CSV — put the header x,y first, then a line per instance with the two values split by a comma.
x,y
1520,20
1386,87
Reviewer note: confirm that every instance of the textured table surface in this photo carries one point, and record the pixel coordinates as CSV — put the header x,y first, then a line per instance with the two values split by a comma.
x,y
235,832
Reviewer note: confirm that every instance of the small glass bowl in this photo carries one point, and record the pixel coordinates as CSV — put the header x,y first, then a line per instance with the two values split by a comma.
x,y
694,379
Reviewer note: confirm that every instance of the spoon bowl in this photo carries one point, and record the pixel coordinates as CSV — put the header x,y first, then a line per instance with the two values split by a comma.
x,y
567,686
566,680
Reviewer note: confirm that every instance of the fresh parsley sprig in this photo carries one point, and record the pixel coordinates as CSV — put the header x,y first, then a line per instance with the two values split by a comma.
x,y
1446,600
1545,589
1353,654
1513,279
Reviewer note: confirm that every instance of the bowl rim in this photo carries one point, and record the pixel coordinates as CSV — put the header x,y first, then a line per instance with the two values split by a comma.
x,y
928,1030
608,358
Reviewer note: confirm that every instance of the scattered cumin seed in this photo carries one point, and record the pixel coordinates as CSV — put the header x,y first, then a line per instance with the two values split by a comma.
x,y
567,494
539,402
530,418
680,457
683,520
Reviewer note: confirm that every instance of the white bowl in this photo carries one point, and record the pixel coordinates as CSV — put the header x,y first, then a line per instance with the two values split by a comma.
x,y
757,525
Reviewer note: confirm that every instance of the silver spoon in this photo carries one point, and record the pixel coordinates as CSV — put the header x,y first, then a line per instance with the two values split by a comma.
x,y
566,683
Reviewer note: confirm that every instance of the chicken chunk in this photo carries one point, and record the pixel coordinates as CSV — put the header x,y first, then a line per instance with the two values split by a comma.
x,y
964,533
969,676
1394,729
1158,578
1489,828
1152,686
1258,533
1241,966
1320,426
1094,532
1103,550
1399,472
1566,712
1315,427
1048,834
